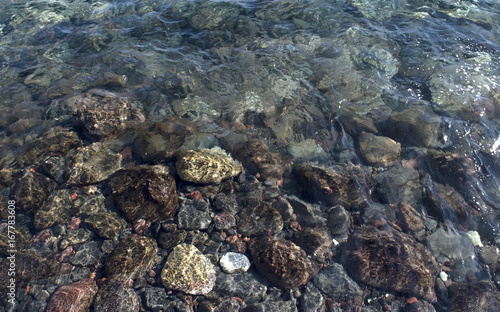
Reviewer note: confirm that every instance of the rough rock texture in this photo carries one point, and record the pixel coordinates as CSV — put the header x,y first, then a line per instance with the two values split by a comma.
x,y
259,218
312,299
31,192
194,214
449,246
56,209
398,184
205,166
391,260
188,270
92,164
409,219
76,297
355,123
103,114
160,140
132,258
145,192
224,220
233,262
339,220
337,185
377,150
471,297
169,240
282,262
241,285
257,158
114,296
336,284
317,242
105,223
308,214
445,203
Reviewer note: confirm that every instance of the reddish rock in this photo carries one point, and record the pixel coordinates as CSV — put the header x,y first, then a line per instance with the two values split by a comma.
x,y
76,297
224,220
391,260
409,219
445,203
470,297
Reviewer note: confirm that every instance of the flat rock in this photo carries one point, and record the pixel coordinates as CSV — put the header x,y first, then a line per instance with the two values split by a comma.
x,y
194,214
378,151
55,210
31,192
132,258
471,297
282,262
449,246
233,262
336,284
188,270
106,224
392,261
114,296
76,297
145,192
398,184
241,285
258,218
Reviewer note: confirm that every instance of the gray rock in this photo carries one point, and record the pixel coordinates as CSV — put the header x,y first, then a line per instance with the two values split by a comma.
x,y
155,298
490,255
449,246
336,284
113,296
398,184
87,255
233,262
312,300
271,306
377,211
55,168
307,214
307,150
241,285
378,151
55,210
339,220
194,214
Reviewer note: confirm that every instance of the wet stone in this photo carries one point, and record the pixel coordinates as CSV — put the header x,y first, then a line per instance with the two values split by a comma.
x,y
106,224
258,218
55,168
113,296
312,300
75,237
206,166
409,219
188,270
449,246
378,151
76,297
194,214
282,262
419,306
103,114
377,211
218,305
87,254
339,220
317,242
470,297
55,210
271,306
227,202
445,203
241,285
355,123
87,205
168,240
224,220
392,261
92,164
31,192
307,214
132,258
336,284
155,298
398,184
145,192
233,262
490,255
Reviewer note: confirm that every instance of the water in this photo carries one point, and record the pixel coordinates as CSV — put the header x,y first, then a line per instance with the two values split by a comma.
x,y
308,78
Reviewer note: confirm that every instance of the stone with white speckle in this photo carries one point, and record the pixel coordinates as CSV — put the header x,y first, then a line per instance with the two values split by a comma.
x,y
233,262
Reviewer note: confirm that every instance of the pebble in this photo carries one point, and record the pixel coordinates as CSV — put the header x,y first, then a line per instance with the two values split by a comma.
x,y
474,238
233,262
76,297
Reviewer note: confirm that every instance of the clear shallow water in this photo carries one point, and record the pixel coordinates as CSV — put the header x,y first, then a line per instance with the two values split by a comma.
x,y
290,73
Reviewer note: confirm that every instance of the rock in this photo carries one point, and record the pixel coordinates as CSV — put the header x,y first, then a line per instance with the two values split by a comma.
x,y
194,214
258,218
449,246
283,206
307,150
241,285
336,284
82,81
378,151
157,141
145,192
339,220
224,220
226,202
392,261
219,305
409,219
206,166
87,254
317,242
282,262
470,297
155,298
55,210
307,214
89,204
55,168
419,306
445,203
92,164
31,192
337,185
168,240
398,184
188,270
312,300
75,237
113,296
76,297
474,238
233,262
103,114
490,255
377,211
106,224
271,306
132,258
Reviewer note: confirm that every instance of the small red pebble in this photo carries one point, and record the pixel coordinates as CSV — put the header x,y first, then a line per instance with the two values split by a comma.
x,y
195,195
329,304
74,224
127,152
74,196
411,300
141,226
240,302
66,252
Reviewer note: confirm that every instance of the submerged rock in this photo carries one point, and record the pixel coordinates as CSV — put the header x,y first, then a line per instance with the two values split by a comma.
x,y
445,203
233,262
282,262
336,284
241,285
317,242
377,150
258,218
205,166
113,296
105,223
188,270
145,192
470,297
194,214
449,246
76,297
55,210
31,192
392,261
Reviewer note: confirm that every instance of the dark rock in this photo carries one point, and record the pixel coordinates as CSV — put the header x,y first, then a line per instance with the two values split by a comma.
x,y
449,246
87,254
337,185
92,164
392,261
445,203
398,184
378,151
339,220
169,240
257,219
226,202
283,206
409,219
377,211
55,168
103,114
271,306
145,192
75,237
307,214
282,262
241,285
317,242
113,296
55,210
106,224
76,297
218,305
471,297
87,205
132,258
160,140
355,123
194,214
224,220
31,192
312,300
155,298
419,306
258,159
336,284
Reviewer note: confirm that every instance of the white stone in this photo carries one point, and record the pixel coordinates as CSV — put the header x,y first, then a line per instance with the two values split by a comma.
x,y
443,276
233,262
474,238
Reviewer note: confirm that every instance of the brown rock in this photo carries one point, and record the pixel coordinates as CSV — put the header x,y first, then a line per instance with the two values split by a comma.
x,y
282,262
145,192
31,192
258,218
445,203
317,242
114,296
76,297
392,261
378,150
408,218
470,297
